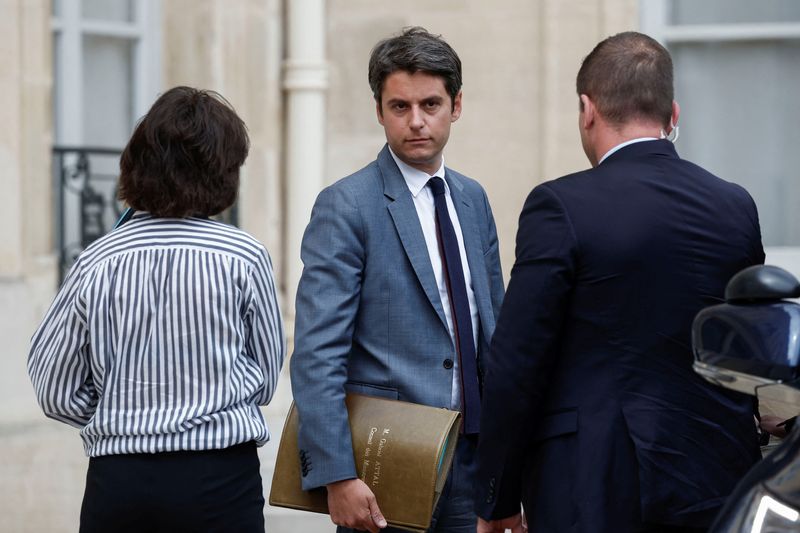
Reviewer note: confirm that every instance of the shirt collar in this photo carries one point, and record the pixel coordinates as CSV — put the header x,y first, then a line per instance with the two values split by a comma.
x,y
416,179
623,145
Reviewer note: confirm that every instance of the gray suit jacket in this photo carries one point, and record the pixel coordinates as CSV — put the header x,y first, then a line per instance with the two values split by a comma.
x,y
368,314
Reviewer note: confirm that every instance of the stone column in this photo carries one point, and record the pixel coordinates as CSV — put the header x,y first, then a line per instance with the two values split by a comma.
x,y
27,260
42,460
306,83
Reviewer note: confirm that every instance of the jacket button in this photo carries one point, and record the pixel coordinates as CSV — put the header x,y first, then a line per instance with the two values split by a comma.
x,y
448,364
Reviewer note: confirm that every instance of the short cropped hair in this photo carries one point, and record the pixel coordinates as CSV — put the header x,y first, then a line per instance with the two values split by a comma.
x,y
628,76
184,156
414,50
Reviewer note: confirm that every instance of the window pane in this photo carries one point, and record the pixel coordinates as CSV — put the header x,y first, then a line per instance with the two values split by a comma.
x,y
733,11
739,116
115,10
107,91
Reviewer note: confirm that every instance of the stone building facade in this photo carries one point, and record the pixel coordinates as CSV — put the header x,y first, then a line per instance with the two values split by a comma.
x,y
295,70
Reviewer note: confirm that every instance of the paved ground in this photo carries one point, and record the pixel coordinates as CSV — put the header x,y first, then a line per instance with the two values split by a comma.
x,y
43,469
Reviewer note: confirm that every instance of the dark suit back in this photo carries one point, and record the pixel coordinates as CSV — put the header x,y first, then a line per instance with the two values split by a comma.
x,y
592,347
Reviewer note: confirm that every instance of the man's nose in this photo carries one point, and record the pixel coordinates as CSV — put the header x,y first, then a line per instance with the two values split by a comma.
x,y
417,120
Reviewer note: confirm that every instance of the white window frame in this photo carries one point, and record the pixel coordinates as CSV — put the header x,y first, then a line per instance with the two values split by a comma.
x,y
69,28
654,20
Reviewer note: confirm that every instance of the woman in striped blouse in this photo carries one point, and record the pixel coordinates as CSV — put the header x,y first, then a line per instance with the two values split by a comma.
x,y
166,336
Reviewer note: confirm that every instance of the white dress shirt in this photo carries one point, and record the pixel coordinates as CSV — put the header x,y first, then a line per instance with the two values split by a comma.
x,y
416,180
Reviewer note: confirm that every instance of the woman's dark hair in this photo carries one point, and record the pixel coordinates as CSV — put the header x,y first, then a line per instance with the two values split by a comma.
x,y
629,76
415,50
183,159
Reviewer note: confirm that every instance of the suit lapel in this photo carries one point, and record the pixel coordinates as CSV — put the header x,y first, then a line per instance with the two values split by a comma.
x,y
406,222
471,232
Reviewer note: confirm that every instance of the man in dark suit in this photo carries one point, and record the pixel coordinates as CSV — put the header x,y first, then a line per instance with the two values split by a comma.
x,y
592,416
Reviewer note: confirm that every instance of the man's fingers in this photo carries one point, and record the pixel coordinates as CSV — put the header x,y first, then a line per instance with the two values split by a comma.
x,y
352,505
368,525
375,513
360,520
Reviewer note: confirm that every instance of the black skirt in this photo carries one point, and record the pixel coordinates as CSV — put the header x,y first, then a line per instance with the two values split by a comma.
x,y
172,492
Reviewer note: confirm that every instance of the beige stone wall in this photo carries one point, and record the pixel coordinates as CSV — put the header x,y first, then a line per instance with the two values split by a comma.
x,y
36,467
11,153
25,139
236,48
520,58
27,266
518,129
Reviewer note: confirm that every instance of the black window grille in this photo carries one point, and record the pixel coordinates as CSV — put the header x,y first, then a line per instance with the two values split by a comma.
x,y
86,199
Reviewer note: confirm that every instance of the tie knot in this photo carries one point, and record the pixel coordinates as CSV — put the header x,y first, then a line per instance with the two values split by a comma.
x,y
437,185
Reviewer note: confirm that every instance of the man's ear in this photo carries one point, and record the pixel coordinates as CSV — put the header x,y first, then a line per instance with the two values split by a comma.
x,y
588,112
456,107
379,112
676,111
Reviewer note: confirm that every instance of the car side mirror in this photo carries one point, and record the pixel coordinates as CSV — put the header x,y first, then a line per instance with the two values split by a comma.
x,y
753,340
761,283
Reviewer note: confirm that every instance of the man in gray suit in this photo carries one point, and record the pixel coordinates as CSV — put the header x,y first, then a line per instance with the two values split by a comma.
x,y
400,288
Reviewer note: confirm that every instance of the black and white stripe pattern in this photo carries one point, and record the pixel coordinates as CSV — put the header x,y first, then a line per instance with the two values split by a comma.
x,y
166,335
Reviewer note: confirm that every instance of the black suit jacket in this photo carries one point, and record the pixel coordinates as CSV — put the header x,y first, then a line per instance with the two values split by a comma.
x,y
592,414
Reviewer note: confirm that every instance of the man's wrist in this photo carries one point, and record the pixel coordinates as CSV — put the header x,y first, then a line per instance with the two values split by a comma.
x,y
339,481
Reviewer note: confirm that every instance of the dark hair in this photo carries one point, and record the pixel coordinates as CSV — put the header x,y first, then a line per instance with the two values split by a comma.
x,y
628,76
184,156
414,50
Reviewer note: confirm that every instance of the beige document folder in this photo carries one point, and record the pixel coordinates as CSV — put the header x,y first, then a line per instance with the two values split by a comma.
x,y
403,452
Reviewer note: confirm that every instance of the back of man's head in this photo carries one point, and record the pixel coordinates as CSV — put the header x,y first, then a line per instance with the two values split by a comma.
x,y
628,76
414,50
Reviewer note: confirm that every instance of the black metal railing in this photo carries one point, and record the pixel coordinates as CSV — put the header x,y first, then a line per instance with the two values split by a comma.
x,y
86,199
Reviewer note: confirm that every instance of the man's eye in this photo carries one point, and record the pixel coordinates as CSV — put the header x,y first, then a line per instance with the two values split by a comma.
x,y
431,105
399,107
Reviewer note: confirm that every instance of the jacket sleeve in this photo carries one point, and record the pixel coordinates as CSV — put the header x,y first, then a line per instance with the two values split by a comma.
x,y
326,306
758,255
59,358
524,350
494,268
265,336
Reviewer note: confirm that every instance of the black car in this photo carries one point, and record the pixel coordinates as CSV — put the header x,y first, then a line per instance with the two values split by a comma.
x,y
751,344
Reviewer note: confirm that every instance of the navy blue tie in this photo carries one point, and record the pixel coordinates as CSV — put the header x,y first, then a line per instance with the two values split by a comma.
x,y
459,307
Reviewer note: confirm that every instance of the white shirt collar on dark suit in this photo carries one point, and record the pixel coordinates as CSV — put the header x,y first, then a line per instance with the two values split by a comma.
x,y
623,145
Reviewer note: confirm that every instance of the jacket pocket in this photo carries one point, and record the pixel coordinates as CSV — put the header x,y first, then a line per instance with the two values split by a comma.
x,y
368,389
557,424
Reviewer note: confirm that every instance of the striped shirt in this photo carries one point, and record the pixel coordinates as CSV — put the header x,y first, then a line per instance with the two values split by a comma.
x,y
165,336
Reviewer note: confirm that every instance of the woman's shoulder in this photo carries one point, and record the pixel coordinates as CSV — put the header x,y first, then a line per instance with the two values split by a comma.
x,y
147,233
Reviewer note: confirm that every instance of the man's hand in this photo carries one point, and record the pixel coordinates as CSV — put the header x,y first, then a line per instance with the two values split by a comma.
x,y
352,504
515,523
773,425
